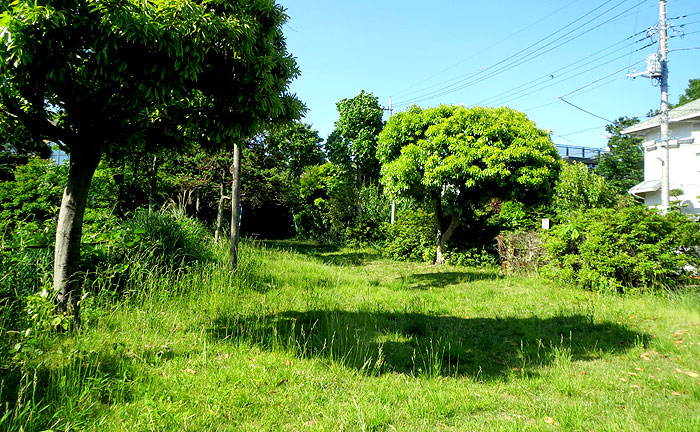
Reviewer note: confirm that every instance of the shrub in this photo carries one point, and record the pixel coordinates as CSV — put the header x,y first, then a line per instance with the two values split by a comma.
x,y
520,251
629,249
472,257
411,237
34,195
365,232
117,254
578,189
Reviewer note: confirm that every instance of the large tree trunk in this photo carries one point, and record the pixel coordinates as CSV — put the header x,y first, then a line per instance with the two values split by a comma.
x,y
66,278
443,234
235,203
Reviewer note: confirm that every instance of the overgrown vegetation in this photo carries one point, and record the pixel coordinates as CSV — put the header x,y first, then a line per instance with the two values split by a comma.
x,y
344,340
345,327
628,249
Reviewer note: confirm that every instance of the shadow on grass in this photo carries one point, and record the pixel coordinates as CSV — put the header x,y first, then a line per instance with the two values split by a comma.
x,y
424,345
329,254
424,281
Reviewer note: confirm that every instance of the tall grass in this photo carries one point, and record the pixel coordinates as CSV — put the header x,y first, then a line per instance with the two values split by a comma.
x,y
302,337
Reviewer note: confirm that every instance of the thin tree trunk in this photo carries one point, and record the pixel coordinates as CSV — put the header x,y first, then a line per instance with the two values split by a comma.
x,y
219,212
152,188
443,235
235,203
120,181
196,204
359,191
66,277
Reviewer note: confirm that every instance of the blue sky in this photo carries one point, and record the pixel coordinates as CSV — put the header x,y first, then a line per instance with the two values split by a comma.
x,y
520,53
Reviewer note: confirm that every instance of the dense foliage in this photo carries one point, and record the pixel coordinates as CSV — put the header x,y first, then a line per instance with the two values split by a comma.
x,y
578,189
459,159
628,249
101,77
692,92
623,165
354,141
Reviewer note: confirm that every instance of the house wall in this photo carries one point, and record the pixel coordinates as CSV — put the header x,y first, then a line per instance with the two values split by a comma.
x,y
684,166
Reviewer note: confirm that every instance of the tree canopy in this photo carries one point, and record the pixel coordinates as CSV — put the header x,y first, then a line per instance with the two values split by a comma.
x,y
98,76
356,133
459,158
692,92
623,165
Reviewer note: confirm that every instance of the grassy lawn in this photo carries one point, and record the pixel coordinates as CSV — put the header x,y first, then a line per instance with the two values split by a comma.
x,y
319,338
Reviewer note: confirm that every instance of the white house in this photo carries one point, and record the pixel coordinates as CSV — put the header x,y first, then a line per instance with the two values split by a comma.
x,y
684,157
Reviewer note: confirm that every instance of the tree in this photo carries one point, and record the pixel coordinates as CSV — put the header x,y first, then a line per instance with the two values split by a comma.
x,y
691,93
324,204
461,158
272,164
18,146
357,129
99,76
578,189
623,165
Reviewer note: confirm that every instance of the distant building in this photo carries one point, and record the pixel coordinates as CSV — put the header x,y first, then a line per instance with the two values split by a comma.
x,y
59,156
684,157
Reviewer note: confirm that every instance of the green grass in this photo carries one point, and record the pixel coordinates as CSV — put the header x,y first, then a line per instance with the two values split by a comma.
x,y
319,338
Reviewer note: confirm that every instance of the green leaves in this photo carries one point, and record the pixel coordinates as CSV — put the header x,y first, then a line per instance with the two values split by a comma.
x,y
357,129
623,165
480,152
579,188
624,249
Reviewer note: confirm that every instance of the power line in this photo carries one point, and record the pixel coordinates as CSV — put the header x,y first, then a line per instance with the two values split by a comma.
x,y
579,74
451,88
598,80
555,73
555,101
683,16
581,109
522,50
543,85
403,92
578,132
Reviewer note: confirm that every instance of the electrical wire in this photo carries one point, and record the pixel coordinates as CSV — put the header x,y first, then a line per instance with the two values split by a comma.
x,y
556,100
522,50
544,85
578,132
404,91
577,75
683,16
595,81
556,73
520,61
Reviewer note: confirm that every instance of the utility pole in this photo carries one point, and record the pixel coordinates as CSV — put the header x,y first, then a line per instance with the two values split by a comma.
x,y
393,201
657,68
663,50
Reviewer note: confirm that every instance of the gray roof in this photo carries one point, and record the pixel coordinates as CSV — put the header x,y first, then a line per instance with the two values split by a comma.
x,y
689,111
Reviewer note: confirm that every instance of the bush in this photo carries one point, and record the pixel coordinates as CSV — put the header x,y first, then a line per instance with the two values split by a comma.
x,y
520,251
579,189
473,257
412,237
126,250
517,216
629,249
365,232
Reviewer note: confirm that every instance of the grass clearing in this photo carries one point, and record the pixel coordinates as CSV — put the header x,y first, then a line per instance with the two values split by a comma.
x,y
320,338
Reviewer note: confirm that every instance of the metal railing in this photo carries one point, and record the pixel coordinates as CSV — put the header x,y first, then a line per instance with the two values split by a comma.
x,y
580,153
